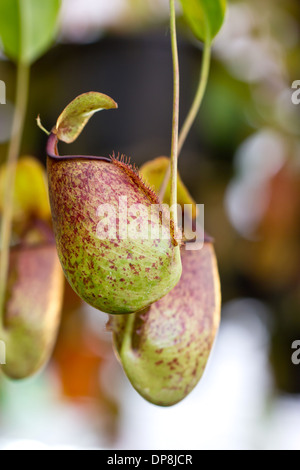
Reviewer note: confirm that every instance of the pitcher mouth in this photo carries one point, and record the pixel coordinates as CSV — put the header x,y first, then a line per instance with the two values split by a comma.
x,y
52,152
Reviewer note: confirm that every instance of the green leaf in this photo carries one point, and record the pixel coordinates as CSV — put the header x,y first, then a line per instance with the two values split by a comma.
x,y
75,116
27,27
205,17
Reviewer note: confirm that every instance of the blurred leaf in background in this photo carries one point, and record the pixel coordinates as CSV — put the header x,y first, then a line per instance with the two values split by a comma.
x,y
27,27
205,17
31,202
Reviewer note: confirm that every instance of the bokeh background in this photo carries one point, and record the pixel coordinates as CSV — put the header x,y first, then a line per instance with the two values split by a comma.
x,y
242,160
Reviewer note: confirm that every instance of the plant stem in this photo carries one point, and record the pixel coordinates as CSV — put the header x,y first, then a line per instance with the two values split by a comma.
x,y
175,124
22,86
190,119
204,74
126,347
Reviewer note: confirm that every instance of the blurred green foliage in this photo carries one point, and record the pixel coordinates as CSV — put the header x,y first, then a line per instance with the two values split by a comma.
x,y
27,28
